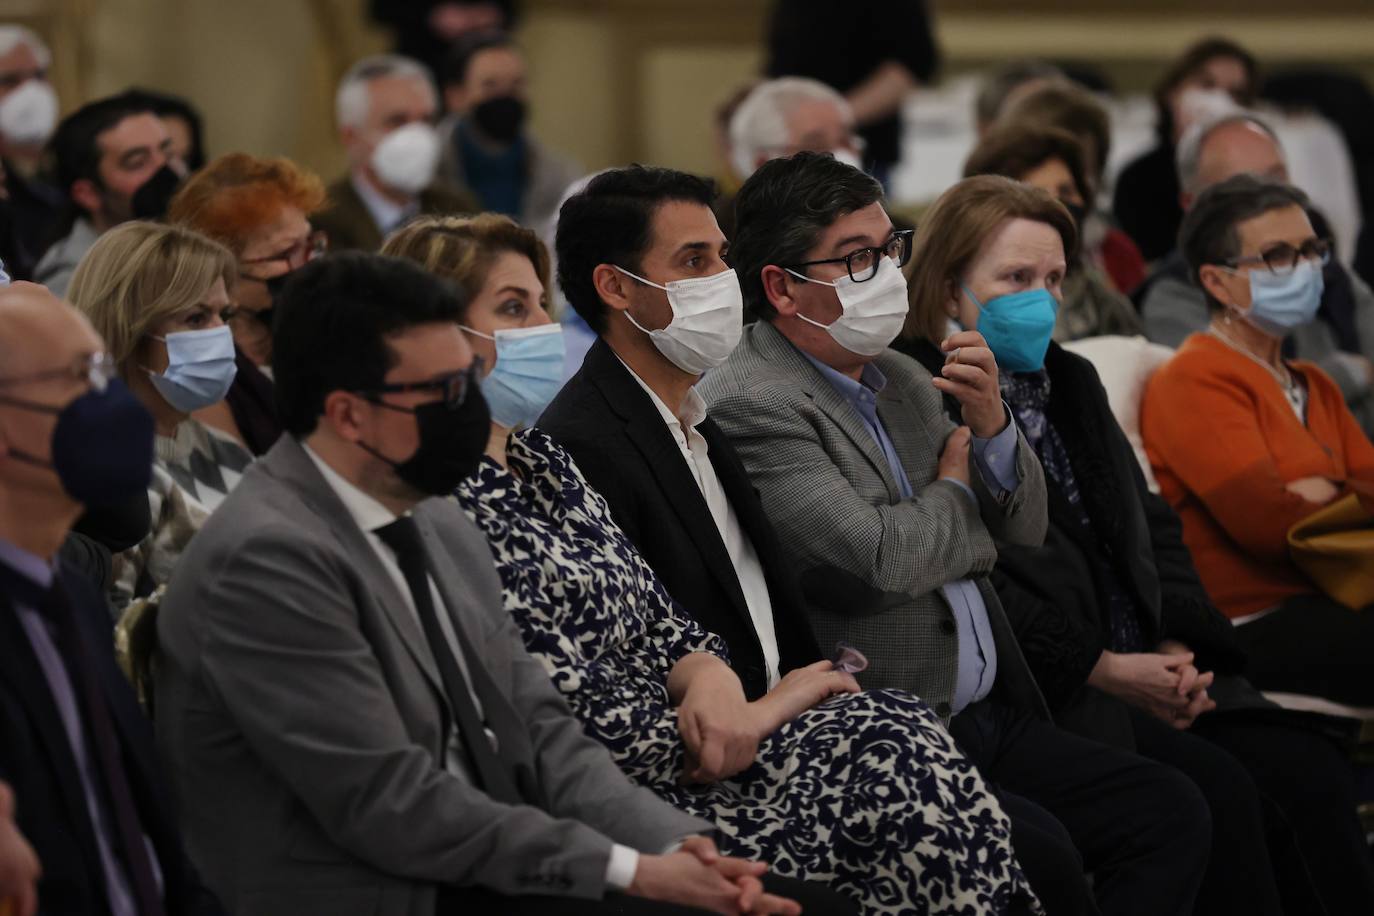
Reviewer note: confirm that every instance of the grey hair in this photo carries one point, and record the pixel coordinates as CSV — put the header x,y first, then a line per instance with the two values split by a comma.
x,y
12,36
351,102
1188,156
760,122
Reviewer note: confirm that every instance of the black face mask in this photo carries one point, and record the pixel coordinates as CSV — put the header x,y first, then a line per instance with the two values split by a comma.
x,y
1079,212
500,118
152,197
452,441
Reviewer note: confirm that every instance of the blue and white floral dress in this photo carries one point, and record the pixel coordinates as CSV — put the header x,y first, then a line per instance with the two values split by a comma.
x,y
866,792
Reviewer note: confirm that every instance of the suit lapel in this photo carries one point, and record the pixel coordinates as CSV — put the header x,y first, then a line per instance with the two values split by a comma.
x,y
775,348
646,429
351,206
287,460
22,670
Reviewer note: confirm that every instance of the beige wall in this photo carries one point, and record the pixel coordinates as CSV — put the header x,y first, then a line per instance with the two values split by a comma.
x,y
613,80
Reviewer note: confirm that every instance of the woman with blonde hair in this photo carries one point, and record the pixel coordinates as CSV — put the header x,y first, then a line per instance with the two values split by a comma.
x,y
159,296
1113,619
865,791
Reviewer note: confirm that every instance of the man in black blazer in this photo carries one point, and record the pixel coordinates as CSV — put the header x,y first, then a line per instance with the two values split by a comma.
x,y
672,479
74,745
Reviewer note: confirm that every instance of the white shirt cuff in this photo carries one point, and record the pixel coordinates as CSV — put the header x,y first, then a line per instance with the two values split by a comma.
x,y
620,869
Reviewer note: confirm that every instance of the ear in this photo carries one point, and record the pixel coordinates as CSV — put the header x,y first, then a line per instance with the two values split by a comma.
x,y
347,134
1218,284
343,414
953,293
86,195
779,287
612,286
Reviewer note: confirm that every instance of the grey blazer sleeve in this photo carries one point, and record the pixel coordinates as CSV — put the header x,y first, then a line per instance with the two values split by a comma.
x,y
284,652
912,547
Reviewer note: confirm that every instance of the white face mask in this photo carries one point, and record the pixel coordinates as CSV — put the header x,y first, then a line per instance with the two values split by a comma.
x,y
874,310
708,319
29,114
407,157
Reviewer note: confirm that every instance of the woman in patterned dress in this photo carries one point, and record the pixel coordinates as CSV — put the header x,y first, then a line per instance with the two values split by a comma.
x,y
865,790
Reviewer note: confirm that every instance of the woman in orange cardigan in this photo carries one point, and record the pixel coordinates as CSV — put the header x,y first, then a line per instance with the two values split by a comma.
x,y
1245,443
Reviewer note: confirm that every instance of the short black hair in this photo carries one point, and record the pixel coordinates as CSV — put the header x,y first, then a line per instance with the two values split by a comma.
x,y
1208,234
781,211
165,105
454,69
611,222
74,146
331,324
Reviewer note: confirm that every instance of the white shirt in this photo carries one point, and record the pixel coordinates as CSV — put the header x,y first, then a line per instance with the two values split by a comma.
x,y
743,557
369,515
385,213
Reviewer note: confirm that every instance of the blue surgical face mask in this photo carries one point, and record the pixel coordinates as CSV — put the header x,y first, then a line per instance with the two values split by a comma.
x,y
1281,302
527,374
200,368
1018,327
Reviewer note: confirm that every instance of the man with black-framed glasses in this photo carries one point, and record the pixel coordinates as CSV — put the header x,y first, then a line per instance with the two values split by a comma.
x,y
889,514
354,722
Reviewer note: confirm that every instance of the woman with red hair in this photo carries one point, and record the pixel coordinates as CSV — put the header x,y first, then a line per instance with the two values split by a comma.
x,y
259,209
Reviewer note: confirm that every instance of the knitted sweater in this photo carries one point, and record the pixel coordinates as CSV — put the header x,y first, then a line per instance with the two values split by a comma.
x,y
1224,441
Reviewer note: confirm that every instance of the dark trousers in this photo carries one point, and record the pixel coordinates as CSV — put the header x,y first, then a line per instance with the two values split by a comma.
x,y
1142,829
815,899
1312,645
1307,790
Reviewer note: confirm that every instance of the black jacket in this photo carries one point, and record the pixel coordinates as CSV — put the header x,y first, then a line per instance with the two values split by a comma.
x,y
614,432
1054,596
37,761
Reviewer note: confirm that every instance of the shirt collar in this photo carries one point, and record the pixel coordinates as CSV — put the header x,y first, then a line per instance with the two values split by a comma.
x,y
367,512
862,392
386,214
29,565
693,408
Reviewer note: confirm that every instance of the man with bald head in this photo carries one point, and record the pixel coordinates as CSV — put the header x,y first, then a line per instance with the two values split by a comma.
x,y
1340,339
74,745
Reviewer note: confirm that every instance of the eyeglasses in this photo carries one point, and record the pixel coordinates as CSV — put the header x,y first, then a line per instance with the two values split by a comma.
x,y
453,388
95,369
863,263
314,245
1283,258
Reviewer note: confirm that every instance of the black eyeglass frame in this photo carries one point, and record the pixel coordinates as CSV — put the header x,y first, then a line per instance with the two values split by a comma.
x,y
454,386
900,237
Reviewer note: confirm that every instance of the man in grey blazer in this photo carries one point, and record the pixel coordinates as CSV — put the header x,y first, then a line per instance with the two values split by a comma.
x,y
890,511
351,719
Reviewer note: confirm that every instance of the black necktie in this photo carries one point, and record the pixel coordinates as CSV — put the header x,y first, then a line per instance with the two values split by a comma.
x,y
109,758
403,537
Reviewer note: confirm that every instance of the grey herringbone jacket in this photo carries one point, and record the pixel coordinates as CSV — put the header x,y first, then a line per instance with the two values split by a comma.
x,y
872,563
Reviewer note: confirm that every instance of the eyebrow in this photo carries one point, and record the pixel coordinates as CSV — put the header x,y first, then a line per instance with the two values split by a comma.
x,y
695,246
862,240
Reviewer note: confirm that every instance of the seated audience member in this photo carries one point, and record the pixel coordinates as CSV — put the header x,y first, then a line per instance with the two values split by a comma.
x,y
354,723
1109,611
19,867
28,115
1052,160
1073,109
487,147
158,295
427,29
1340,338
182,123
1245,443
385,109
783,116
889,510
1146,197
623,652
260,210
113,160
74,745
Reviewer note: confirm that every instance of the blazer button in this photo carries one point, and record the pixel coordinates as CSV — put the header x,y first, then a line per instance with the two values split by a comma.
x,y
948,628
942,710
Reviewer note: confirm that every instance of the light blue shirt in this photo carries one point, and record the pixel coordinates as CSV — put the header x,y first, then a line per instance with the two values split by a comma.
x,y
996,461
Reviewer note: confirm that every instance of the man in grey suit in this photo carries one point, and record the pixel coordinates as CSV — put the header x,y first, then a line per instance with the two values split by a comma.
x,y
350,717
890,511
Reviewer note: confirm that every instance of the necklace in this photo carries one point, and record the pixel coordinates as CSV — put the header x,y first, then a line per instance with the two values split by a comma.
x,y
1288,381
